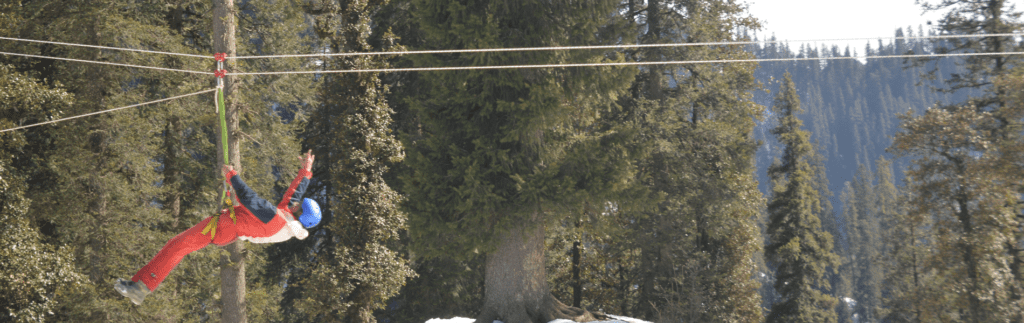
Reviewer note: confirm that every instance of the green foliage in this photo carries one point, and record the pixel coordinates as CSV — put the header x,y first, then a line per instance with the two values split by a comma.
x,y
684,234
442,288
851,112
905,245
866,205
497,146
993,141
958,187
851,107
117,186
495,150
33,273
799,249
1011,151
608,265
353,267
968,17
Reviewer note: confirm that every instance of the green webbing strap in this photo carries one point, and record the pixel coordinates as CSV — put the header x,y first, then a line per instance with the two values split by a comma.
x,y
223,124
222,111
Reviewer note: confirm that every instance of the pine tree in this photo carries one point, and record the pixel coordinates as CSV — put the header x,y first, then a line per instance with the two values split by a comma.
x,y
958,185
32,272
1013,150
140,176
353,268
989,17
862,217
905,243
970,18
693,236
798,249
95,179
496,156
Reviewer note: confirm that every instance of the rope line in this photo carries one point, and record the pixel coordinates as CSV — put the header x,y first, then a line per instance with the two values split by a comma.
x,y
104,47
105,63
110,110
506,50
492,67
525,49
485,50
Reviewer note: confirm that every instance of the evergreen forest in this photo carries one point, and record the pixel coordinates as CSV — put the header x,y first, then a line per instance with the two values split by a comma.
x,y
793,184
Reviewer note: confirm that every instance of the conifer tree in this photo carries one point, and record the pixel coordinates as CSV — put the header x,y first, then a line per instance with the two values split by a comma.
x,y
958,184
353,268
693,235
905,241
970,18
1011,151
96,177
139,176
860,201
799,249
446,285
988,17
32,271
499,153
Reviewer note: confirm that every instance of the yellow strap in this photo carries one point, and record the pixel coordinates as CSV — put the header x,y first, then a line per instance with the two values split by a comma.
x,y
231,209
211,227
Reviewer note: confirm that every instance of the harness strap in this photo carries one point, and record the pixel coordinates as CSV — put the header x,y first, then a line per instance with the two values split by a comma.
x,y
211,226
225,194
231,209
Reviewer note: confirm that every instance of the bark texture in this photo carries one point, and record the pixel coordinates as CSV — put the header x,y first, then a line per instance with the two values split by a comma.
x,y
232,262
515,282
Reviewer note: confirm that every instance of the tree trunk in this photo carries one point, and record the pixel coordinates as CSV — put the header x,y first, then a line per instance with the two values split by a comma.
x,y
577,284
515,282
577,259
645,298
977,313
172,172
232,263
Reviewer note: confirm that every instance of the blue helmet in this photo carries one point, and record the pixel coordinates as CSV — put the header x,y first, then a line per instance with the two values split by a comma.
x,y
310,213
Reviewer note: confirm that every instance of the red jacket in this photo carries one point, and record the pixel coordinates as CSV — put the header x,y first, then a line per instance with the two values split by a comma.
x,y
263,209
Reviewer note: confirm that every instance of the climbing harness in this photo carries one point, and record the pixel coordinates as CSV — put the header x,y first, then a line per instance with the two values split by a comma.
x,y
225,194
211,227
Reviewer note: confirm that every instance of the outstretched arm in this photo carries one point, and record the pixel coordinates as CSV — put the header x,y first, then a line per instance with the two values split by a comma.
x,y
298,187
259,207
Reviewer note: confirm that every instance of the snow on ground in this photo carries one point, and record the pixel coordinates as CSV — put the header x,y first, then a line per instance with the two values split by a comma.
x,y
615,319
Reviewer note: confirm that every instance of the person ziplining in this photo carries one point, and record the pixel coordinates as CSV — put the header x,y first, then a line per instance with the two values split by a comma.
x,y
255,220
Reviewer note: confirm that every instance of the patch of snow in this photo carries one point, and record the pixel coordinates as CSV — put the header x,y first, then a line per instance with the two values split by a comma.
x,y
615,319
452,320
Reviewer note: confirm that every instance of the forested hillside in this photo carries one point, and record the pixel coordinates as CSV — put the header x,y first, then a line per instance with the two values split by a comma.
x,y
821,190
852,105
854,110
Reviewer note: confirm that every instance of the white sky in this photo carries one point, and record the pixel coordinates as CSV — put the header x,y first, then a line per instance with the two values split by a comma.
x,y
833,19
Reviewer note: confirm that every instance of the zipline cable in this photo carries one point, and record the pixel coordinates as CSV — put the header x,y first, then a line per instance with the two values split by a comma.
x,y
493,67
484,50
621,46
110,110
103,47
105,63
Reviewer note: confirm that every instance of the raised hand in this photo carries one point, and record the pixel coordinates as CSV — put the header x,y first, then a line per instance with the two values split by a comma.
x,y
307,161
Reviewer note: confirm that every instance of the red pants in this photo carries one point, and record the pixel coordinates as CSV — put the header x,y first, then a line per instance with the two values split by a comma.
x,y
192,239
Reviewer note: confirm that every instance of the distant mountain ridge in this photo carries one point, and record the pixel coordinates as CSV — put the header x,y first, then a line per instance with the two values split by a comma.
x,y
850,107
